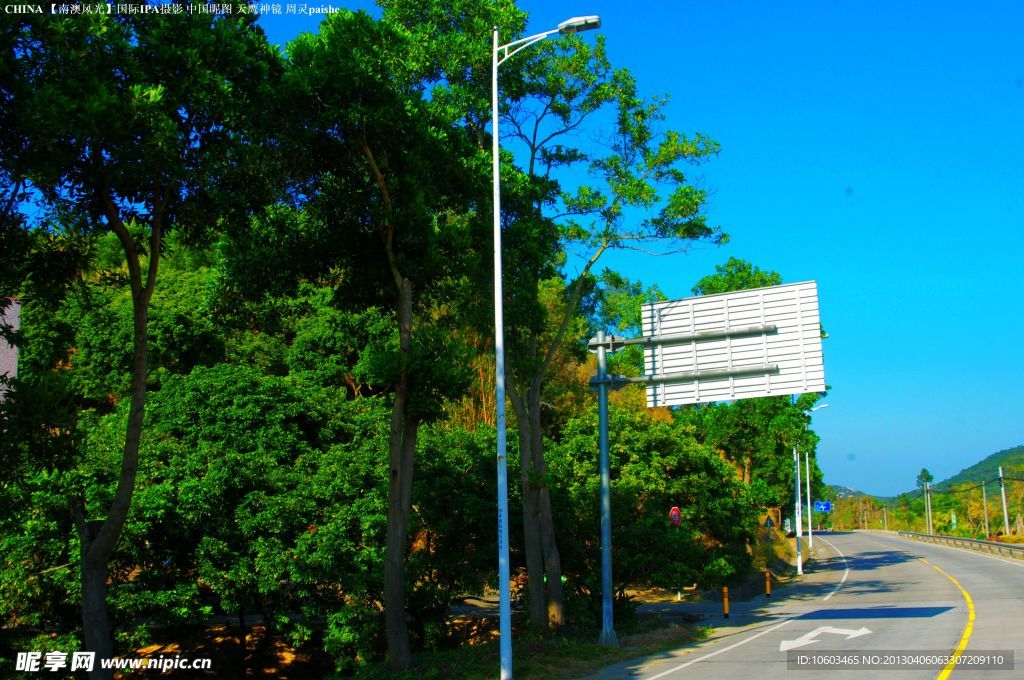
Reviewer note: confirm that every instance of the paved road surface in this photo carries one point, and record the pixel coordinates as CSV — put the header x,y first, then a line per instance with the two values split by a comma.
x,y
909,596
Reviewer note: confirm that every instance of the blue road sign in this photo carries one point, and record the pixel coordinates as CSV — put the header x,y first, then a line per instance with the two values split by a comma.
x,y
823,506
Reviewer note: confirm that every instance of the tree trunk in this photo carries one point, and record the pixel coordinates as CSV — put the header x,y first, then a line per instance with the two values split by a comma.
x,y
547,603
101,537
545,519
94,604
531,525
402,449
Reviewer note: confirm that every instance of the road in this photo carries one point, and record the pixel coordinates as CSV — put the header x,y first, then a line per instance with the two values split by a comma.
x,y
868,592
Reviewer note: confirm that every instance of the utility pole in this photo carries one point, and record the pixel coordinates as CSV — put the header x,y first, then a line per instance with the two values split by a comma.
x,y
885,517
984,506
928,506
1002,489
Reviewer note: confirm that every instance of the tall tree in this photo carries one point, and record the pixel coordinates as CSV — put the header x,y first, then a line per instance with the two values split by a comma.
x,y
135,125
735,275
387,176
924,477
635,196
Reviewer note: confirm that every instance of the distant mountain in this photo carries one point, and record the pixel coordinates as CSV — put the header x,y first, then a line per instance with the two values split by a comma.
x,y
846,492
988,469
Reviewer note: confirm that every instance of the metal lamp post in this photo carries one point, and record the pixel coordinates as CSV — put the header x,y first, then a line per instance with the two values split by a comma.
x,y
499,54
799,505
810,506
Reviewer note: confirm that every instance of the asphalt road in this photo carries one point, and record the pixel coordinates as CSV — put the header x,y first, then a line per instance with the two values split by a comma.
x,y
870,597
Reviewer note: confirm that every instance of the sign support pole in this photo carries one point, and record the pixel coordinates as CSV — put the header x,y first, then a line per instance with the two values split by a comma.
x,y
608,637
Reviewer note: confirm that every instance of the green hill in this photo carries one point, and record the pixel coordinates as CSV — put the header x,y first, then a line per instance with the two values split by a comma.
x,y
1012,461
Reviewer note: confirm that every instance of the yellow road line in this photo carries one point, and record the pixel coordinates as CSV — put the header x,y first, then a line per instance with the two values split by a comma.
x,y
962,645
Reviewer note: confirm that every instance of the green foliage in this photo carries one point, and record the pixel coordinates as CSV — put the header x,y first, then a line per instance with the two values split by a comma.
x,y
924,478
656,465
736,275
275,340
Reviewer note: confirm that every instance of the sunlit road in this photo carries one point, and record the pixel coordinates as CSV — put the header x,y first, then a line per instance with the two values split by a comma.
x,y
871,593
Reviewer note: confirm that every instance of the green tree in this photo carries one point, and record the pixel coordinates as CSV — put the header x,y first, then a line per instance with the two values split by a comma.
x,y
657,464
183,90
387,173
924,478
636,196
735,275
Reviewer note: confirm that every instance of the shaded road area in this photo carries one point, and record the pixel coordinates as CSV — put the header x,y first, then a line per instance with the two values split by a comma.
x,y
869,593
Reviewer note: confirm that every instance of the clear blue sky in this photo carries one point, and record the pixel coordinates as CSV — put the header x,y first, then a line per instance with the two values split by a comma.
x,y
877,148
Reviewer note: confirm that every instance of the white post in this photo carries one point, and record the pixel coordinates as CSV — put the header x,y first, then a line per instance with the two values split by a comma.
x,y
984,506
1006,515
928,507
810,508
504,594
799,519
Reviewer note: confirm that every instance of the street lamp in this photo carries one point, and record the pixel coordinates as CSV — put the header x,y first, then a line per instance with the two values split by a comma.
x,y
799,513
807,469
499,55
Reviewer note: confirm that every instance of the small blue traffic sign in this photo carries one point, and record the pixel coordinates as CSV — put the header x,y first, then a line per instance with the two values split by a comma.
x,y
823,506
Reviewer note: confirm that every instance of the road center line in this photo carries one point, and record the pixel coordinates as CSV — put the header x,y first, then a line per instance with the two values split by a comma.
x,y
962,645
846,569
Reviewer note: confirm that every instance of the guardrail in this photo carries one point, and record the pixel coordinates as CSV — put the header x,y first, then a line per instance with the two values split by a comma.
x,y
993,547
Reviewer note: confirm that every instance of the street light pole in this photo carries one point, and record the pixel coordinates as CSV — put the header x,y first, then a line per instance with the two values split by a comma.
x,y
810,508
572,25
504,591
799,519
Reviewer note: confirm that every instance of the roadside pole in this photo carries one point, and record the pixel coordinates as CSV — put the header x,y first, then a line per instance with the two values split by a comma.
x,y
799,519
928,506
810,507
1002,490
608,637
984,506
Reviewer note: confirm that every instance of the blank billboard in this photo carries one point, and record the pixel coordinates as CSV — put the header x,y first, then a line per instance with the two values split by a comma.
x,y
785,360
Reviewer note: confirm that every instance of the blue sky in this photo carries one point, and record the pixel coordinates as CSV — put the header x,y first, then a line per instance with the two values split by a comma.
x,y
877,148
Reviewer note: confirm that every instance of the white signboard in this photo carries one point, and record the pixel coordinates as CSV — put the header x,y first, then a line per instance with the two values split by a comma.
x,y
752,343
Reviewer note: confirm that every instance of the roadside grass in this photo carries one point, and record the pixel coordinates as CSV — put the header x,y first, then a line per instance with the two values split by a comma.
x,y
574,653
1008,538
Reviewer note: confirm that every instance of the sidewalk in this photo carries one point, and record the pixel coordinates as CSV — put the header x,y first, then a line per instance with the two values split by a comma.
x,y
821,576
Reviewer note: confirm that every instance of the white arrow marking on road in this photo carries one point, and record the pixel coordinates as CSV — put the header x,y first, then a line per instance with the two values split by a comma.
x,y
808,638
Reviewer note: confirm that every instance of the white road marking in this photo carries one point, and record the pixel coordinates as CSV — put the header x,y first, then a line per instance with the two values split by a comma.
x,y
846,570
680,667
720,651
809,638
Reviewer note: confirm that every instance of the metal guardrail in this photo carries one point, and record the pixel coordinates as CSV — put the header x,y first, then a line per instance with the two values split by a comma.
x,y
993,547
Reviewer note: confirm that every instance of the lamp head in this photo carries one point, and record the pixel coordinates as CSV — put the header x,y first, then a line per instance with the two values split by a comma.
x,y
577,24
